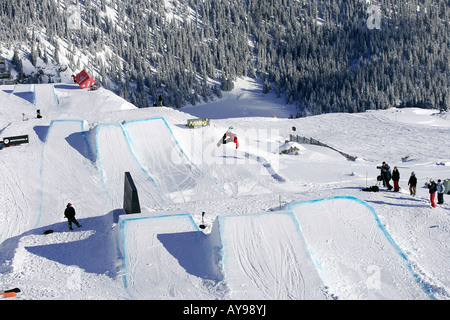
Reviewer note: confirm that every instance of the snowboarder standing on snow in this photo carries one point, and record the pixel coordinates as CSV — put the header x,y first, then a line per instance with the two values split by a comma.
x,y
396,178
412,182
69,213
229,136
432,187
440,191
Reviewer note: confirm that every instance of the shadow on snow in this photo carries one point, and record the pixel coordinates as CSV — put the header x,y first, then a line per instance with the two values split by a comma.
x,y
95,253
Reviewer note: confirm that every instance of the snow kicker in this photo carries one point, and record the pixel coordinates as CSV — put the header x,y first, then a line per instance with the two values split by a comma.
x,y
66,145
264,257
277,255
45,97
165,256
114,158
25,91
356,256
159,153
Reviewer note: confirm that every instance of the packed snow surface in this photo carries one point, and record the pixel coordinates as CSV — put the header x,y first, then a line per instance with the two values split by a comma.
x,y
274,225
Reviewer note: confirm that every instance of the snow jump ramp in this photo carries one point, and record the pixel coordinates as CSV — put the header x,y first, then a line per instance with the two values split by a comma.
x,y
161,170
160,155
114,157
66,166
25,91
323,249
264,257
165,256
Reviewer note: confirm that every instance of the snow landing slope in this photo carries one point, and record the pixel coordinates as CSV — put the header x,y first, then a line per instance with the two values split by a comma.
x,y
45,98
255,245
66,154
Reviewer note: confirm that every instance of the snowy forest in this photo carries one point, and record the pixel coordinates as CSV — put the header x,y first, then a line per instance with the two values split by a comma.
x,y
322,56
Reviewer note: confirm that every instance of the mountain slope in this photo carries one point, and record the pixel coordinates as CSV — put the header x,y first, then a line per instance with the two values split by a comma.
x,y
319,57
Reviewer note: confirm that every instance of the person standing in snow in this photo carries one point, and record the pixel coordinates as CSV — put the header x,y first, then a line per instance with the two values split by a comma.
x,y
396,178
69,213
160,101
412,182
432,187
440,191
386,174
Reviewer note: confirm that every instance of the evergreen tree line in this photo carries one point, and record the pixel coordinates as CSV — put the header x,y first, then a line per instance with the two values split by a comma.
x,y
324,56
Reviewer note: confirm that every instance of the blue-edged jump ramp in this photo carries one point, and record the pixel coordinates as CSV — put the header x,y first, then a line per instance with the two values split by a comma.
x,y
356,256
45,97
66,167
165,256
159,153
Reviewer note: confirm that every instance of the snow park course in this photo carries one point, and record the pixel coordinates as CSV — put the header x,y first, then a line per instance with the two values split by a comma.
x,y
275,225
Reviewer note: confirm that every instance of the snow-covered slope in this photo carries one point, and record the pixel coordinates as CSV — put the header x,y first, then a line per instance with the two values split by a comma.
x,y
268,232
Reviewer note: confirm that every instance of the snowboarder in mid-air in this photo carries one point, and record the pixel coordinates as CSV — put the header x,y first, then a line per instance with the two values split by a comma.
x,y
69,213
229,136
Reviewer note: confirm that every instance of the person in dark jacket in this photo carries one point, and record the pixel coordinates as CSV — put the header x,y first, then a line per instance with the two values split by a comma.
x,y
386,175
432,187
440,191
396,178
69,213
412,183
